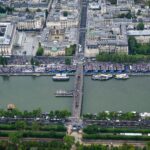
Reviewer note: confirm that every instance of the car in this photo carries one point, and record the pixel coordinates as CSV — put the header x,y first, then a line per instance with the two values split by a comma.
x,y
80,48
24,52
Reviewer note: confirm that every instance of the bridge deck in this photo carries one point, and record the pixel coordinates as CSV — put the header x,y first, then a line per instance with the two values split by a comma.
x,y
78,92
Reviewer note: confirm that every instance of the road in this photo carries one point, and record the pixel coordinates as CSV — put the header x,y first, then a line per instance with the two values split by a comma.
x,y
82,28
115,142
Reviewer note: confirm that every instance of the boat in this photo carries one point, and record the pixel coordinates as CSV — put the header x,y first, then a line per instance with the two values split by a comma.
x,y
61,77
102,77
37,74
11,106
121,76
64,93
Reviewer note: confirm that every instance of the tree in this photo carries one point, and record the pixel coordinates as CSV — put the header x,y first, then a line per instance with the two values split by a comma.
x,y
15,139
27,9
37,112
114,2
140,26
69,140
3,60
132,44
139,12
148,3
69,51
40,50
35,126
129,15
102,115
46,13
20,125
38,10
68,61
51,114
148,145
65,13
32,61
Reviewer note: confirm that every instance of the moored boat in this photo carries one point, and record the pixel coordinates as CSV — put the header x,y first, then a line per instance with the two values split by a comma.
x,y
63,93
102,77
61,77
121,76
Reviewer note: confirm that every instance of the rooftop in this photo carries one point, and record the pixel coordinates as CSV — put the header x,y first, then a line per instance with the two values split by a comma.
x,y
6,31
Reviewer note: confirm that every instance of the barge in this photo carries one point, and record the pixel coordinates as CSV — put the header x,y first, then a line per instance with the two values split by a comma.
x,y
63,93
121,76
102,77
61,77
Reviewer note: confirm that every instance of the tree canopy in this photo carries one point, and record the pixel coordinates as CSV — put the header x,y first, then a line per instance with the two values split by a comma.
x,y
140,26
68,61
138,48
70,50
40,50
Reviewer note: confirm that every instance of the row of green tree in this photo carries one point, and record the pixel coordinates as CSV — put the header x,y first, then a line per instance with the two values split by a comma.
x,y
127,15
16,142
5,9
121,58
36,134
114,137
35,126
34,113
69,51
93,129
106,147
113,2
112,116
137,48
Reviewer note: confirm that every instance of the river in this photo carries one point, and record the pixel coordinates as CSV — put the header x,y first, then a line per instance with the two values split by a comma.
x,y
29,93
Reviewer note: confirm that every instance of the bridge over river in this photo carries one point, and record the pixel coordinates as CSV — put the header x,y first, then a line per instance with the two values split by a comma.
x,y
78,86
78,92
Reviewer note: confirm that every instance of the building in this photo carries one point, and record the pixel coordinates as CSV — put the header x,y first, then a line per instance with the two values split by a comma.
x,y
55,41
105,34
32,5
64,14
142,36
31,21
7,37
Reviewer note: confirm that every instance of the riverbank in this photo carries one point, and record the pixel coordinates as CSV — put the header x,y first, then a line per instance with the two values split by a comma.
x,y
69,74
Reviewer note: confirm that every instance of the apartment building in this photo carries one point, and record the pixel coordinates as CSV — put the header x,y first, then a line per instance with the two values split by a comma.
x,y
64,14
7,37
33,21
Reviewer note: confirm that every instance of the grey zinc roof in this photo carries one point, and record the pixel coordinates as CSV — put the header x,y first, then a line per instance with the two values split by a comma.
x,y
139,32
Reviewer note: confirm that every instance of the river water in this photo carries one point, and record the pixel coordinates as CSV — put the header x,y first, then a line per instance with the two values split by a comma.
x,y
28,93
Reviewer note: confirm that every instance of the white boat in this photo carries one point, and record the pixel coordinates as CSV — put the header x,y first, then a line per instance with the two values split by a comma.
x,y
102,77
121,76
63,93
61,77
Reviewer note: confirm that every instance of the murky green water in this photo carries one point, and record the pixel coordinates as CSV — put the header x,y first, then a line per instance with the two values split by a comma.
x,y
28,93
33,92
115,95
